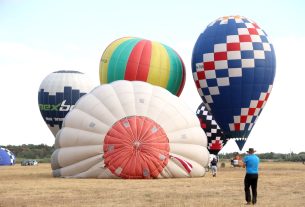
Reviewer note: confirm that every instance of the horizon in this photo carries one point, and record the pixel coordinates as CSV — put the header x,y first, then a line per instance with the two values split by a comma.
x,y
220,153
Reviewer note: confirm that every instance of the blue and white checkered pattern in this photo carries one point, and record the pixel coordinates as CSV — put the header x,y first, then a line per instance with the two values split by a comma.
x,y
10,156
232,57
216,138
241,50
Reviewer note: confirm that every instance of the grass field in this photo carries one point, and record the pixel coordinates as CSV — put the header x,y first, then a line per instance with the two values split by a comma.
x,y
280,184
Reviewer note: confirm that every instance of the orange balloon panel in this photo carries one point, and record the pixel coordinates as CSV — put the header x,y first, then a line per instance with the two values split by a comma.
x,y
136,147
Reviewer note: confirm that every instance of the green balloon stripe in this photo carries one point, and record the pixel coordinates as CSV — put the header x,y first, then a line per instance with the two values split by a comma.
x,y
119,58
175,74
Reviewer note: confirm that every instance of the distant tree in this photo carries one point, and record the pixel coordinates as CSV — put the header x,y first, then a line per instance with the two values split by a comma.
x,y
42,151
31,151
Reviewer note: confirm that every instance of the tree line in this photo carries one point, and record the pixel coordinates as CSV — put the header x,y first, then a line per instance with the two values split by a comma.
x,y
40,152
43,153
291,157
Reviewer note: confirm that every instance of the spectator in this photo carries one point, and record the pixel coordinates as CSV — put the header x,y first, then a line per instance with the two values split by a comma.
x,y
214,166
251,162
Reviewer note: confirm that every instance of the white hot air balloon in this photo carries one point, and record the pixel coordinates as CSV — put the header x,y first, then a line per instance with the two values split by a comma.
x,y
58,93
130,129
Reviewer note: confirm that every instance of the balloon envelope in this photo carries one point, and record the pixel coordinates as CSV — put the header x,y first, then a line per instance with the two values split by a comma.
x,y
130,129
6,157
133,58
58,93
216,138
233,65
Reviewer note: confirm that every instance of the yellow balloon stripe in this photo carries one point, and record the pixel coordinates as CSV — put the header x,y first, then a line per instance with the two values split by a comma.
x,y
159,66
106,58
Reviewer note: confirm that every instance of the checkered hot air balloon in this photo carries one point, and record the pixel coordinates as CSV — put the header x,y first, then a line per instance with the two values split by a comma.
x,y
6,157
132,58
216,138
233,66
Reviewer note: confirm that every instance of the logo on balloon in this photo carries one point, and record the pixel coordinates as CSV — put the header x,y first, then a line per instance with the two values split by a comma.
x,y
55,107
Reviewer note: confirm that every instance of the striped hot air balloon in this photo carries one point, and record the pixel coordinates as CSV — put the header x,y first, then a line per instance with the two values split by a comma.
x,y
131,58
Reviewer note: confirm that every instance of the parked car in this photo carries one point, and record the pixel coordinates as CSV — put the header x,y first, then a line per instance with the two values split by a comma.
x,y
28,162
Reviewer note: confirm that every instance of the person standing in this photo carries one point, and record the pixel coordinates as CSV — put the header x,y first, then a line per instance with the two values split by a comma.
x,y
251,162
214,166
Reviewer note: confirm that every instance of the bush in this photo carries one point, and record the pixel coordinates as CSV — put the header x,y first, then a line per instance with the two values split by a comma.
x,y
42,153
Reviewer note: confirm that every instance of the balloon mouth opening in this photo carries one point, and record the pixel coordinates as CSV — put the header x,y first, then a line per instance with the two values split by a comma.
x,y
136,145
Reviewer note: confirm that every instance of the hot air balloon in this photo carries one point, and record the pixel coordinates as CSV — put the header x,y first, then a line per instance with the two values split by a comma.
x,y
130,129
133,58
216,138
58,93
6,157
233,66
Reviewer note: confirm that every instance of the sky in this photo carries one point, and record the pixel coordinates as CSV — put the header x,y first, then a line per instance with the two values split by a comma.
x,y
40,37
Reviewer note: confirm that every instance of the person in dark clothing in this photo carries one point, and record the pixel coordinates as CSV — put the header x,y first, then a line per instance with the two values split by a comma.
x,y
214,166
251,162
